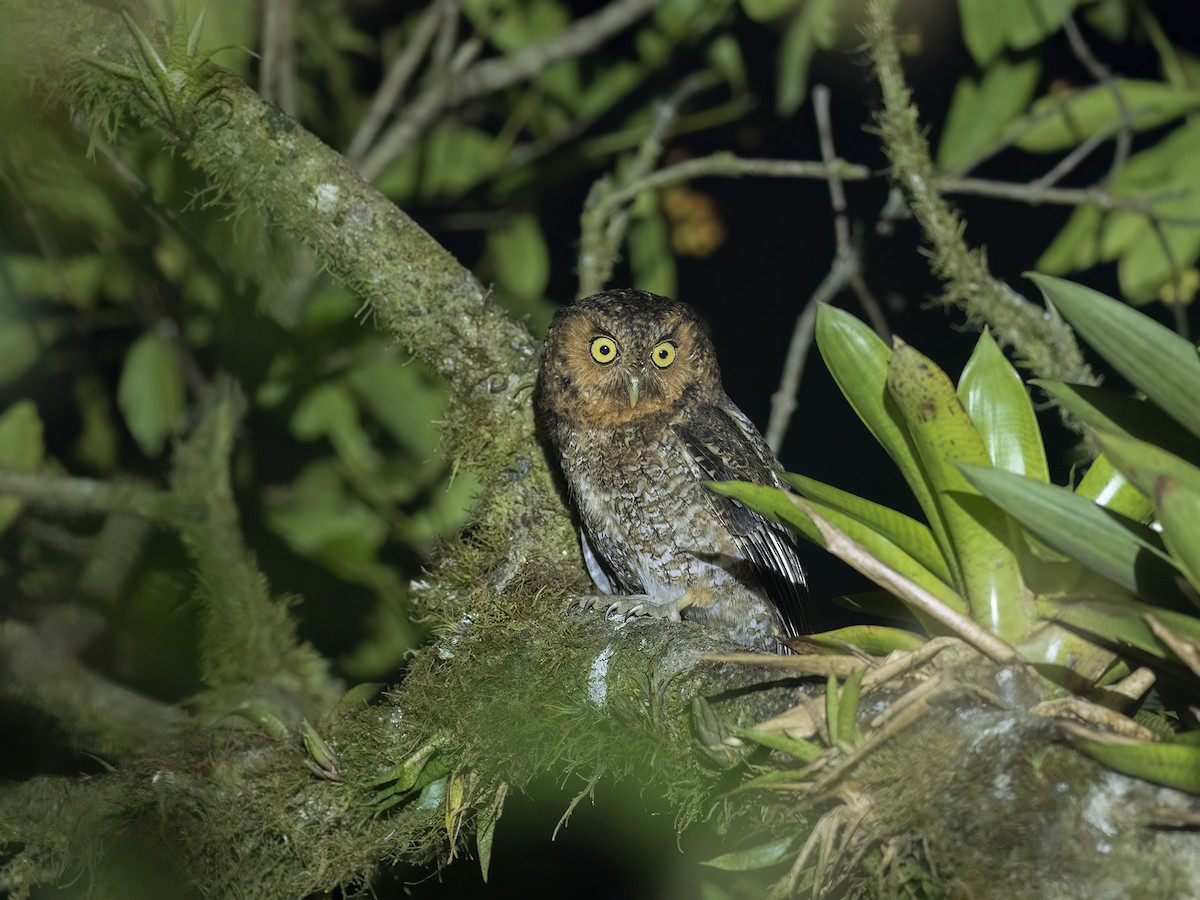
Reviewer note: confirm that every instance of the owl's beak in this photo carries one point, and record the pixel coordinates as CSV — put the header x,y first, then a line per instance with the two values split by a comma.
x,y
633,391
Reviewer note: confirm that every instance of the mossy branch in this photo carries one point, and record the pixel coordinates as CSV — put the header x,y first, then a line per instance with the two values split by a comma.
x,y
1042,342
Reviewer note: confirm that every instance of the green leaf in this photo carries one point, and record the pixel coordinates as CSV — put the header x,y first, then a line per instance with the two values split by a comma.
x,y
1179,513
877,640
1121,550
1106,486
911,536
1121,619
766,10
994,397
979,112
650,255
846,726
1176,765
943,434
1147,465
22,447
1110,18
150,392
759,857
858,361
777,505
814,27
1116,413
1059,122
983,28
19,349
804,750
485,829
724,55
96,446
1150,356
1077,246
519,256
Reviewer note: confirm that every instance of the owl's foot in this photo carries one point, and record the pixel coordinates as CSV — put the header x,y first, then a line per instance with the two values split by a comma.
x,y
631,606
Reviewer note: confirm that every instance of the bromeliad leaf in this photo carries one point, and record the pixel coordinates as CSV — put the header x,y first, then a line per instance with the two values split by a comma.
x,y
759,857
995,398
1175,764
911,536
1120,619
1105,486
858,361
781,506
1179,512
987,570
1126,552
1150,356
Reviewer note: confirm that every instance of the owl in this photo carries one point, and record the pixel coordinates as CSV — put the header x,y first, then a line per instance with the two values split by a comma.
x,y
630,398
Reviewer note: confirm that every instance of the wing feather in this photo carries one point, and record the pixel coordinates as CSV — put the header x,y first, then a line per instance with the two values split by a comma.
x,y
725,446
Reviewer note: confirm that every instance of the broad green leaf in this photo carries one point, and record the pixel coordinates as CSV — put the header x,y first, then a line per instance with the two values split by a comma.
x,y
650,255
378,383
1119,619
519,257
1179,513
1146,465
1150,356
1059,122
1077,246
877,640
943,434
1028,22
1065,656
1104,485
1176,765
724,55
766,10
759,857
96,445
1116,413
150,393
814,27
1121,550
1153,259
777,505
858,361
22,447
995,398
1110,18
911,536
979,112
19,348
983,28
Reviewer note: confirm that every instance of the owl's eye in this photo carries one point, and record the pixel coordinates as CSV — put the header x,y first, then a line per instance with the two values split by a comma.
x,y
663,354
604,350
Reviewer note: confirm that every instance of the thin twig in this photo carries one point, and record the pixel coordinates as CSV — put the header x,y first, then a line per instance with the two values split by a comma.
x,y
845,268
1034,195
603,225
279,54
496,74
730,166
391,89
87,495
1104,75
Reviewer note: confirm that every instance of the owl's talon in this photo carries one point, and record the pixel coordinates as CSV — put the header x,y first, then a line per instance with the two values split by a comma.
x,y
637,606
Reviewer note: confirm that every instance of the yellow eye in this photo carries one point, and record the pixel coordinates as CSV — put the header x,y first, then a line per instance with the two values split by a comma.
x,y
604,350
663,354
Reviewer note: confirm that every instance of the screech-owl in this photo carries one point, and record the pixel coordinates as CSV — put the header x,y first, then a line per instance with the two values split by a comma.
x,y
630,397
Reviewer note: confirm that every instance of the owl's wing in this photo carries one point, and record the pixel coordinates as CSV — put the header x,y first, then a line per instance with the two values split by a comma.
x,y
725,446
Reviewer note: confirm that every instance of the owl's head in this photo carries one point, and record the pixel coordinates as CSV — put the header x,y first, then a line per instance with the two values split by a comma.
x,y
622,355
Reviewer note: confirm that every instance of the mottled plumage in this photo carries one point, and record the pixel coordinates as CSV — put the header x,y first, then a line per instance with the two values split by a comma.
x,y
630,397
